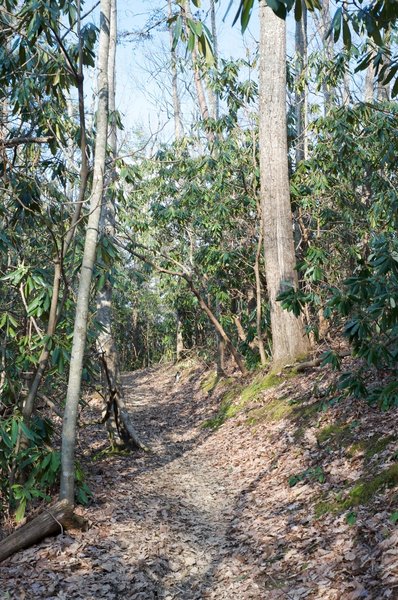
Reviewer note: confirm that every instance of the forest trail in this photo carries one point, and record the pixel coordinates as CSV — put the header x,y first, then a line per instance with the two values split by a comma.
x,y
159,521
212,513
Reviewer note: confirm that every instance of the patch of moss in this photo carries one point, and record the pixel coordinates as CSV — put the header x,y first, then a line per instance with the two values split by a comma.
x,y
275,410
228,408
303,416
371,446
361,493
209,383
260,384
237,397
112,450
336,433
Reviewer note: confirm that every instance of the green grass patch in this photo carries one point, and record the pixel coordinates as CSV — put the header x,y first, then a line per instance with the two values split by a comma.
x,y
361,493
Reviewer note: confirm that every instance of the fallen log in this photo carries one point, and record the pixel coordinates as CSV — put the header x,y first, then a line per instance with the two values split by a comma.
x,y
51,521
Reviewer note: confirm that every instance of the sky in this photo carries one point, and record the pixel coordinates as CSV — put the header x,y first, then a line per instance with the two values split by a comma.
x,y
142,88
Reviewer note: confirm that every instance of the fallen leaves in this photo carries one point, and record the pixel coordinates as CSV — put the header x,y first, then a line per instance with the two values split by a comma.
x,y
211,514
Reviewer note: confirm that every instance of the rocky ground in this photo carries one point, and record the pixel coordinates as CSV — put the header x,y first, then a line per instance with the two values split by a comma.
x,y
292,497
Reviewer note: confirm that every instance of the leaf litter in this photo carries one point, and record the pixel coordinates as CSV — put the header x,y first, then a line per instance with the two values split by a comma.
x,y
227,513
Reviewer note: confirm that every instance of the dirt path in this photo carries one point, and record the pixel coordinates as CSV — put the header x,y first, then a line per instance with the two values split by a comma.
x,y
159,522
215,514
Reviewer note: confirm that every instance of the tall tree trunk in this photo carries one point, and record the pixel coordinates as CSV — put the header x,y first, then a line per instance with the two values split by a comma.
x,y
80,328
369,82
214,100
346,95
288,337
200,93
179,339
323,23
261,348
302,94
178,127
105,342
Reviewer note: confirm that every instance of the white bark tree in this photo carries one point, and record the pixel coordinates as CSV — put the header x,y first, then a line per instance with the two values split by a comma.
x,y
302,91
288,338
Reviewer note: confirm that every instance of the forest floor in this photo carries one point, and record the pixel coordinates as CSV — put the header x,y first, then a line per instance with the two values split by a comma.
x,y
284,495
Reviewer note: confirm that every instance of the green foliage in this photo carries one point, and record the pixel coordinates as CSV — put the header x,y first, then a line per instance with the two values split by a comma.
x,y
371,19
350,271
39,463
197,215
83,493
311,474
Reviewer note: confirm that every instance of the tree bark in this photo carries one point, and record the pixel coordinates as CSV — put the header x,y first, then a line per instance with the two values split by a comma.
x,y
261,348
302,94
369,82
288,338
80,328
214,100
53,520
179,339
200,93
178,127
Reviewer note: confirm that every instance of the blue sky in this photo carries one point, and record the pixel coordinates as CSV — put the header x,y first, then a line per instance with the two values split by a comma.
x,y
141,94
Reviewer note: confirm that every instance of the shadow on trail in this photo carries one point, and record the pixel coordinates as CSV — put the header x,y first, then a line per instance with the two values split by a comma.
x,y
273,549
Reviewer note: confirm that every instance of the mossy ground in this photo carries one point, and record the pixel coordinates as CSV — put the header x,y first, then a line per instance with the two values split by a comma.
x,y
370,446
361,493
346,436
336,434
238,396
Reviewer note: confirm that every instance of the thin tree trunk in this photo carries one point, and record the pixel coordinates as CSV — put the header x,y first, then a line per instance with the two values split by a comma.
x,y
178,127
82,304
220,362
200,93
105,342
220,343
323,23
369,82
302,95
179,339
219,328
289,340
263,356
213,95
383,91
